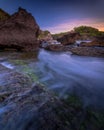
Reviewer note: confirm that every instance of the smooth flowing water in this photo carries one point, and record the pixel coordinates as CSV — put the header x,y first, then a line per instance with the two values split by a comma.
x,y
64,74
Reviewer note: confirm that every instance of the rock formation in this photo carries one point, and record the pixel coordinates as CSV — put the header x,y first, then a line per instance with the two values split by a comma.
x,y
45,36
53,47
97,42
46,39
69,38
19,32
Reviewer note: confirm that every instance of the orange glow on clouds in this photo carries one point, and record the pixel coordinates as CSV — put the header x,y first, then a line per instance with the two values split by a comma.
x,y
69,25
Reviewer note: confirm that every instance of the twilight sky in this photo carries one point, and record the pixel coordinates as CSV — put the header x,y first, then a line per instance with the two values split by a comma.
x,y
61,15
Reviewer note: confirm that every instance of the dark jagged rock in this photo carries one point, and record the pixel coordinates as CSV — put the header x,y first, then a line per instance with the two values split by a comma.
x,y
69,38
19,32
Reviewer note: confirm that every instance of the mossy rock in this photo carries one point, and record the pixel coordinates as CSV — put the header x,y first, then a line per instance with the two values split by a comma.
x,y
79,117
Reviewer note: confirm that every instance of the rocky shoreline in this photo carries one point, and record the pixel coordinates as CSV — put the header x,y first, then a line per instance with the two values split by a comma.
x,y
20,32
24,105
81,51
68,42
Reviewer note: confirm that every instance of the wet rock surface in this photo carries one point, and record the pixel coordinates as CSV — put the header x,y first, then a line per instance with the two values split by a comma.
x,y
88,51
93,48
19,32
27,106
81,51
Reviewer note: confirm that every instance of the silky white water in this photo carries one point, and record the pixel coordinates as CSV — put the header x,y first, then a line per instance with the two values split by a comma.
x,y
65,74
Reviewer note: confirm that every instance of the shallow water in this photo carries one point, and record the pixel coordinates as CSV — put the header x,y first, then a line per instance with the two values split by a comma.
x,y
64,74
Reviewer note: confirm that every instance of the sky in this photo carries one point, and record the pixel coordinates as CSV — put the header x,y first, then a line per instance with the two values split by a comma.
x,y
60,15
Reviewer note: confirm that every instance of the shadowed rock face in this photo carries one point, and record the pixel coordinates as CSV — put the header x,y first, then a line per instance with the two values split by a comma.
x,y
19,31
69,38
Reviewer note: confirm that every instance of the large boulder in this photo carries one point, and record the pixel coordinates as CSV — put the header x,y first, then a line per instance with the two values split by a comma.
x,y
55,47
69,38
19,32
